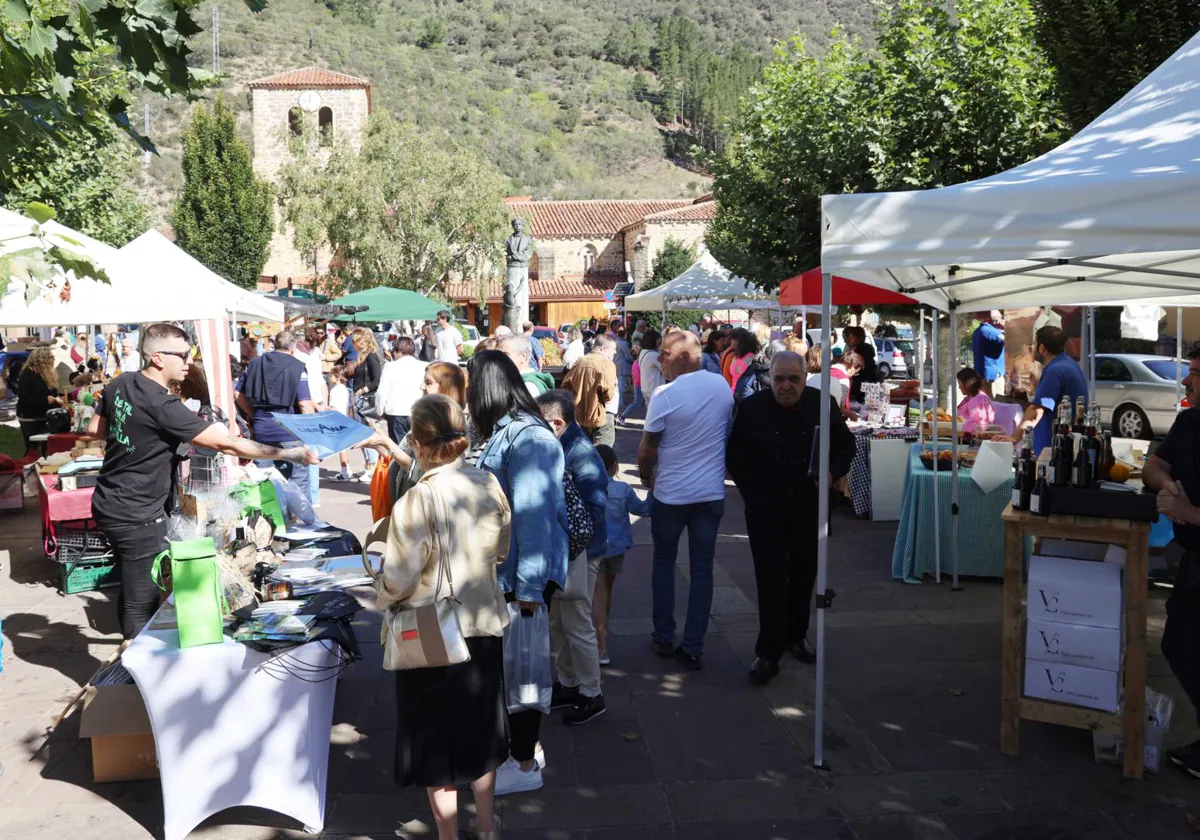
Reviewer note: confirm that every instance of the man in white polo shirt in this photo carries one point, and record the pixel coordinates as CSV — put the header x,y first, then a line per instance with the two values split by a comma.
x,y
449,339
682,459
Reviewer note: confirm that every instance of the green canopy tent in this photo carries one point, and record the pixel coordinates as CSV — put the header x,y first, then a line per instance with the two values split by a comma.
x,y
387,304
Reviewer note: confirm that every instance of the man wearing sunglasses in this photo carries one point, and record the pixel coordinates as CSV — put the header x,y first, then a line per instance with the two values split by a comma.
x,y
148,431
1174,471
771,456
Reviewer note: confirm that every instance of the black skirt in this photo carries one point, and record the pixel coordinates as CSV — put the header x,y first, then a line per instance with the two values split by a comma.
x,y
451,726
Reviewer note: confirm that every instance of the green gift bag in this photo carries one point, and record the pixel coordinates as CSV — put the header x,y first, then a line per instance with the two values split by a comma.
x,y
262,497
196,582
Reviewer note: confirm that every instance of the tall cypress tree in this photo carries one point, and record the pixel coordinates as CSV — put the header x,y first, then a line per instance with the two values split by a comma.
x,y
223,218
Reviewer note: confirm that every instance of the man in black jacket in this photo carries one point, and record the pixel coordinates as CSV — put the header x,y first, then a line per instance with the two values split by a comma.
x,y
772,456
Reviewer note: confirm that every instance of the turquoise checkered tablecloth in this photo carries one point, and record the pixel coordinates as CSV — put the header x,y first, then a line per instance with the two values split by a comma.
x,y
980,530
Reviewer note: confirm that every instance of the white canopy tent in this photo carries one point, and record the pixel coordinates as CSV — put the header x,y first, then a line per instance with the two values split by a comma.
x,y
705,285
171,261
137,293
1107,217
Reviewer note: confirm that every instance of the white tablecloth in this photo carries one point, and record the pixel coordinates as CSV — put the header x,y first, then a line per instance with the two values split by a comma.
x,y
233,727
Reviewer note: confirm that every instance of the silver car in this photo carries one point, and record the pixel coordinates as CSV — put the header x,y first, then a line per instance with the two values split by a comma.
x,y
1136,394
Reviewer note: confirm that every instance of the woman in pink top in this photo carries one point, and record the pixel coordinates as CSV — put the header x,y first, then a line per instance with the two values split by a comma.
x,y
745,348
976,409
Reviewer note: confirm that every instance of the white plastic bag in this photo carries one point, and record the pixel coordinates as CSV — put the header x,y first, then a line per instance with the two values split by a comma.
x,y
527,679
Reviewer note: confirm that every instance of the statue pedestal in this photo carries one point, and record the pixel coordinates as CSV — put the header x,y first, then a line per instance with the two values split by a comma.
x,y
516,298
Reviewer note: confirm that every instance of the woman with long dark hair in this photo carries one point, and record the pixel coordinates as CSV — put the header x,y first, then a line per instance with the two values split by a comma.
x,y
525,456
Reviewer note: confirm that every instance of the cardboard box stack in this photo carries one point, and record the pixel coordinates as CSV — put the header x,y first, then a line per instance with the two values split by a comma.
x,y
1073,634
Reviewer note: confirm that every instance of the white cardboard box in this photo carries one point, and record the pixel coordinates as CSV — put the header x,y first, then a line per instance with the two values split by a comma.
x,y
1063,683
1074,644
1074,591
1080,550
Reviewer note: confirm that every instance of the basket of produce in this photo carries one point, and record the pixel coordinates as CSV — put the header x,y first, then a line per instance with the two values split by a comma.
x,y
944,459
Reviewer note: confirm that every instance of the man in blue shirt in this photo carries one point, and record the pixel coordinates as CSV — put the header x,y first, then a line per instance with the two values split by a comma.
x,y
1061,377
277,382
536,351
987,345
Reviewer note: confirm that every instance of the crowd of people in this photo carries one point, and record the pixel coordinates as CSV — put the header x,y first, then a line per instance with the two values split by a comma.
x,y
514,484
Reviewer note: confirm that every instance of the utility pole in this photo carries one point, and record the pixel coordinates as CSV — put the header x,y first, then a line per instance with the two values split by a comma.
x,y
146,132
216,39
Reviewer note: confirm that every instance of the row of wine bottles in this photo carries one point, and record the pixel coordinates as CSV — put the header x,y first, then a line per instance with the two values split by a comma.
x,y
1079,457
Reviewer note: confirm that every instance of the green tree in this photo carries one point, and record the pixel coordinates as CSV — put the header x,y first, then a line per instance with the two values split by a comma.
x,y
83,175
408,210
224,217
433,33
1102,48
48,85
674,259
941,102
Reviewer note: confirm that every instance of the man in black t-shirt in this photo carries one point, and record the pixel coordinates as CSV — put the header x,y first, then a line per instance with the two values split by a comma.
x,y
1174,471
147,428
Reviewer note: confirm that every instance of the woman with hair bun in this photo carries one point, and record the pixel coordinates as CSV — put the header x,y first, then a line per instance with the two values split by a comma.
x,y
450,727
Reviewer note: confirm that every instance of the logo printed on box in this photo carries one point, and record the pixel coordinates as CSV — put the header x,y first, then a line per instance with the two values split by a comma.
x,y
1056,680
1049,641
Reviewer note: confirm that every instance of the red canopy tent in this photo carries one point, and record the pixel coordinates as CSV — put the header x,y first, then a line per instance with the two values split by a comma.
x,y
805,290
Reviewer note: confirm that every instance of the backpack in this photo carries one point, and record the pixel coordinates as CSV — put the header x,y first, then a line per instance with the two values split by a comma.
x,y
755,378
579,519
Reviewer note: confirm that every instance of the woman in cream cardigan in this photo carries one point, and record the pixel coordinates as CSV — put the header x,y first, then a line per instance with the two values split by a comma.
x,y
450,728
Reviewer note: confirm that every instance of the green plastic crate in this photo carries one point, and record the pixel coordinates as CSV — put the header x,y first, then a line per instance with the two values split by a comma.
x,y
88,574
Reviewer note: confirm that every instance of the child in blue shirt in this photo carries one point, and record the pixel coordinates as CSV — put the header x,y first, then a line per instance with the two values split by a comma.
x,y
622,501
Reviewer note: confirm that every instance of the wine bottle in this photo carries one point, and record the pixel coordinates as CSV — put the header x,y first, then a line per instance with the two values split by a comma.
x,y
1107,459
1039,497
1064,448
1018,491
1078,427
1028,469
1081,470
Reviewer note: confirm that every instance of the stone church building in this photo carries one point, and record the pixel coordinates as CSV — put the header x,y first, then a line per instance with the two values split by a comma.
x,y
583,248
333,103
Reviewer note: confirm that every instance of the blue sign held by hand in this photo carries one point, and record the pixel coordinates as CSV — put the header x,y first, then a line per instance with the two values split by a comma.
x,y
327,432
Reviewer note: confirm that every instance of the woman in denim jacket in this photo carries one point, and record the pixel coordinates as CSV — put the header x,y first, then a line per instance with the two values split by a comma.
x,y
525,456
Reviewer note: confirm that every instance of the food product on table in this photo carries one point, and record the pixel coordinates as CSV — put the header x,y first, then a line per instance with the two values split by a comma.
x,y
1119,473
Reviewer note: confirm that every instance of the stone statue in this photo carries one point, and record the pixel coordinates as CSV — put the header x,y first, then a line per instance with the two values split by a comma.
x,y
517,250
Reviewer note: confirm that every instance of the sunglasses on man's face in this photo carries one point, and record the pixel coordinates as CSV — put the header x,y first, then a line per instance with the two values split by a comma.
x,y
182,355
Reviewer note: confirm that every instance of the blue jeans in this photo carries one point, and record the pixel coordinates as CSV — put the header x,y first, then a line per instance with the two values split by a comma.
x,y
667,523
290,472
639,401
624,392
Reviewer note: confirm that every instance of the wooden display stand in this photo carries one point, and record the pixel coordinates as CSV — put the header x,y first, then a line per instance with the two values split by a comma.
x,y
1134,537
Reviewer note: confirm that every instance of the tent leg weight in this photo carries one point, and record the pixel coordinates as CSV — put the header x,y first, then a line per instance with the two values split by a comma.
x,y
825,600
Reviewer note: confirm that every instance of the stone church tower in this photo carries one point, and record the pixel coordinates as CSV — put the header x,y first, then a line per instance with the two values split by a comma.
x,y
337,105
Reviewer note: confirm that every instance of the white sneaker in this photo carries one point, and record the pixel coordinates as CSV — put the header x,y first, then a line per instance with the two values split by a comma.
x,y
366,477
604,660
344,475
510,778
539,756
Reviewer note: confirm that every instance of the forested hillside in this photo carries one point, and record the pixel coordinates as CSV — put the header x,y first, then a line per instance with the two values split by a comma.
x,y
569,99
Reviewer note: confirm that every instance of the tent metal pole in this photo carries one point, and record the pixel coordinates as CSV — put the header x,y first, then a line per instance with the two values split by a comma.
x,y
824,596
949,284
1084,349
921,375
1092,356
987,301
1137,269
953,448
937,504
1178,358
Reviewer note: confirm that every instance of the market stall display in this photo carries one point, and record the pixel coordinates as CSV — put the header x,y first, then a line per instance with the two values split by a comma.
x,y
233,726
1080,599
982,555
877,472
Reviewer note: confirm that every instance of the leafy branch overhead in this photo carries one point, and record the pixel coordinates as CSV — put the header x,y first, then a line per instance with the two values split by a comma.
x,y
39,261
45,86
408,210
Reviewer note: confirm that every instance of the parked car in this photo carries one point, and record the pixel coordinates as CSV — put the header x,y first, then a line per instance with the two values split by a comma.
x,y
472,334
894,357
1136,394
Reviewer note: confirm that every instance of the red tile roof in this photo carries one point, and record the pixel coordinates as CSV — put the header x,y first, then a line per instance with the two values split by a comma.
x,y
309,77
585,219
701,211
567,287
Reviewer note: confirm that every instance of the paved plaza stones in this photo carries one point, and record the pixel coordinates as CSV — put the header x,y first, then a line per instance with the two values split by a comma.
x,y
912,742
